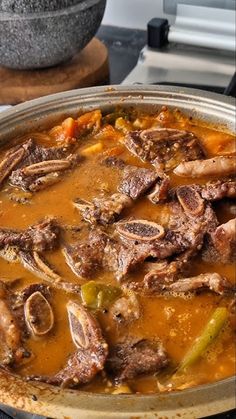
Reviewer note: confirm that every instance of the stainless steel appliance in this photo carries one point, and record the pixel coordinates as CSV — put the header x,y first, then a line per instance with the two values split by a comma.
x,y
198,50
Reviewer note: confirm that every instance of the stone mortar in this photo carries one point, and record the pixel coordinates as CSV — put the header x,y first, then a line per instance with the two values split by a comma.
x,y
32,6
40,40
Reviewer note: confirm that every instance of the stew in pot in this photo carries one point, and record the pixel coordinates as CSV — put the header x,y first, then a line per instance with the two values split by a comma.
x,y
117,243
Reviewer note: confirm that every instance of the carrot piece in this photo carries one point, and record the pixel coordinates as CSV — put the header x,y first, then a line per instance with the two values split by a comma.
x,y
90,120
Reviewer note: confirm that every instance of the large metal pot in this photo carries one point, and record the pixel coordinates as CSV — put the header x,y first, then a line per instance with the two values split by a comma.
x,y
57,403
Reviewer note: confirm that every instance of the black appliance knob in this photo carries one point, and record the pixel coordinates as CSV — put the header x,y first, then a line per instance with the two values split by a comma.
x,y
157,29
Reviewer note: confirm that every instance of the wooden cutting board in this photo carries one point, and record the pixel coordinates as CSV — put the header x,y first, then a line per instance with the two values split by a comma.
x,y
87,68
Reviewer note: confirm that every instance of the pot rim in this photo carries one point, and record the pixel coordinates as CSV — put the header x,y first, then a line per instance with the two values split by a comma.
x,y
201,104
198,401
66,11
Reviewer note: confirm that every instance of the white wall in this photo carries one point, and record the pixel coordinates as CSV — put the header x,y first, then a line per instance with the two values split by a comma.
x,y
133,13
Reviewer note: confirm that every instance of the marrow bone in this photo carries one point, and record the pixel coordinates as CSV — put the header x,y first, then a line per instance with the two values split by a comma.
x,y
38,314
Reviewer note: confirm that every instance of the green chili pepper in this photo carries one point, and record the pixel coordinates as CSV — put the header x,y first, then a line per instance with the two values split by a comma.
x,y
209,333
97,296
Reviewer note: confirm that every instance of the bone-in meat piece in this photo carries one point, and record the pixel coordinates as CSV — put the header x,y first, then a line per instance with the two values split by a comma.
x,y
141,230
166,271
10,162
34,263
160,190
87,257
219,189
91,350
136,181
39,237
103,210
183,233
207,281
27,154
164,147
190,200
216,166
39,175
224,241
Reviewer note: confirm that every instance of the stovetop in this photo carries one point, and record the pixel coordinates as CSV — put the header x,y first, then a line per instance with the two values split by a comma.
x,y
124,47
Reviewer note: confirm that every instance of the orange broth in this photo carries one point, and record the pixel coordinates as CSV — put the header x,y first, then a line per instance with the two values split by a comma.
x,y
176,321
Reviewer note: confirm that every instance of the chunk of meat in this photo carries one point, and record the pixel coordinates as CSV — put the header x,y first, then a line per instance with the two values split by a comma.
x,y
103,210
39,237
139,240
136,181
221,244
86,258
36,153
216,166
219,189
129,258
166,271
160,191
91,350
207,281
129,360
166,148
83,260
